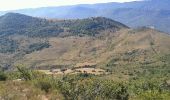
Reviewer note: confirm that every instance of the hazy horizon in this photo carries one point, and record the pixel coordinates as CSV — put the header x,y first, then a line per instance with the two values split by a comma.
x,y
24,4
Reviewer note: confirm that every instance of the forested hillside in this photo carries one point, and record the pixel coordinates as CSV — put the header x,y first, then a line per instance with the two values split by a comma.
x,y
14,23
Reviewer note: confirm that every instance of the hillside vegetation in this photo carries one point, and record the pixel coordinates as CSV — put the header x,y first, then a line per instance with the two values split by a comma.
x,y
90,59
21,34
14,23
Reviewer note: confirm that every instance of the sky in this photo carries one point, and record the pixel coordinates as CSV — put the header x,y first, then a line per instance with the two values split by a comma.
x,y
21,4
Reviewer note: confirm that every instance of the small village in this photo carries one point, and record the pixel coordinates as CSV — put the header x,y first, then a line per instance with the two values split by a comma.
x,y
89,68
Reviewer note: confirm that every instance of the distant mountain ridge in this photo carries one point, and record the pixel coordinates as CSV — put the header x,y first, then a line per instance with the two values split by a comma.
x,y
155,13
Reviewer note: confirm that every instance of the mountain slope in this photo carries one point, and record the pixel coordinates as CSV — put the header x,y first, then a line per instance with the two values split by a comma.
x,y
138,17
134,14
125,49
21,35
106,43
14,23
99,40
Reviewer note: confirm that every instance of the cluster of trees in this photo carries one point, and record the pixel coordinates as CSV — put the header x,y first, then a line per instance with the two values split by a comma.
x,y
93,26
13,23
7,45
37,46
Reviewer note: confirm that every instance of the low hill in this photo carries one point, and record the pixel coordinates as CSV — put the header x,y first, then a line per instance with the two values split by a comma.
x,y
21,34
14,23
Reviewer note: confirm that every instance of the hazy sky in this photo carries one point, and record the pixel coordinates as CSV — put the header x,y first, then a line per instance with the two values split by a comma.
x,y
20,4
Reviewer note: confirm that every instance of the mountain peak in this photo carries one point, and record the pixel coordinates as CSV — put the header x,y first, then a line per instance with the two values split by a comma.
x,y
11,14
17,21
14,16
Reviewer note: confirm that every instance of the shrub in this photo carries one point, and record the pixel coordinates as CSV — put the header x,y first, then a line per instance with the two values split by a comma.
x,y
92,89
3,76
44,85
25,73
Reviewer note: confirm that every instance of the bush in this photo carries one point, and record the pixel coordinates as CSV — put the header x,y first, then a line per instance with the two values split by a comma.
x,y
92,89
25,73
3,76
44,85
152,89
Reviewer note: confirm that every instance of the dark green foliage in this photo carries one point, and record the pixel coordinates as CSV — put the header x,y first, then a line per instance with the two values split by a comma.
x,y
28,74
13,23
37,47
3,76
93,26
92,89
8,45
48,31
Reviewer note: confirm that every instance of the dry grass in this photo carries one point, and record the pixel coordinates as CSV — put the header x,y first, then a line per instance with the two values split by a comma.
x,y
19,91
73,50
